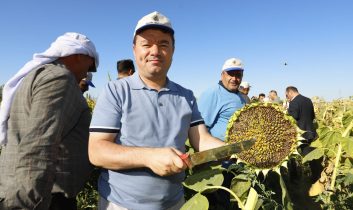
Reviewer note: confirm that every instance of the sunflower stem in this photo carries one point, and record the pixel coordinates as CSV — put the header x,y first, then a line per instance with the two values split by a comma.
x,y
338,156
337,161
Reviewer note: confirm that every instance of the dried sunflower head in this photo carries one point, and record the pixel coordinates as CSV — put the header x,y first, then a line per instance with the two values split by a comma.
x,y
276,133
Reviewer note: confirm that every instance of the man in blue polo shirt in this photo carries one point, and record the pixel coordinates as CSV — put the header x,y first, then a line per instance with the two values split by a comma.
x,y
140,125
218,103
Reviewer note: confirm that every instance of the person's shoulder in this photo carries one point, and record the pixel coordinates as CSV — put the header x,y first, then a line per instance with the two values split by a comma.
x,y
243,96
304,98
52,69
123,82
180,88
119,88
297,100
213,89
300,98
55,73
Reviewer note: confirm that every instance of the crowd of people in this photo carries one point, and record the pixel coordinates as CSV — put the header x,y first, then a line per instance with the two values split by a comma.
x,y
137,132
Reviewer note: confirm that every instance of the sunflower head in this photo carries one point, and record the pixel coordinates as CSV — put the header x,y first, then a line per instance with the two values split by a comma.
x,y
276,133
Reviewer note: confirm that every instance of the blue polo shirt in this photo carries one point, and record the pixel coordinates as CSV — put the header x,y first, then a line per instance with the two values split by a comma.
x,y
217,105
144,117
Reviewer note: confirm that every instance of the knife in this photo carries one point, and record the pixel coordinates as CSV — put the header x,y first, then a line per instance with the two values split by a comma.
x,y
218,153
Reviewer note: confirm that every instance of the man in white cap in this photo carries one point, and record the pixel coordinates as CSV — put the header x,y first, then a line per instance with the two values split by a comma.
x,y
244,88
86,82
44,127
217,104
140,124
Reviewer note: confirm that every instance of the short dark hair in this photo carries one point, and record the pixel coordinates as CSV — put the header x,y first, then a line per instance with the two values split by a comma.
x,y
262,94
125,65
292,88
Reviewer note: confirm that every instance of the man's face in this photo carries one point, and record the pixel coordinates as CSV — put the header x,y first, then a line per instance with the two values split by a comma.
x,y
272,95
153,52
86,64
245,90
231,79
289,95
261,98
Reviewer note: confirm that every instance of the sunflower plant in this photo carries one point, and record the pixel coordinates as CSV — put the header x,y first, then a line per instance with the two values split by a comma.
x,y
334,189
277,138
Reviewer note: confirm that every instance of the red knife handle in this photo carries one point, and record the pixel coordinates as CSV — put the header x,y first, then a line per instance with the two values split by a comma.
x,y
184,156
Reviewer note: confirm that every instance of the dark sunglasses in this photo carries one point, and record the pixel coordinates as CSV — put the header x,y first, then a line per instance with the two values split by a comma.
x,y
234,73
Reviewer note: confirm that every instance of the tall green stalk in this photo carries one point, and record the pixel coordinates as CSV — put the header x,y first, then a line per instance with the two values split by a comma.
x,y
338,157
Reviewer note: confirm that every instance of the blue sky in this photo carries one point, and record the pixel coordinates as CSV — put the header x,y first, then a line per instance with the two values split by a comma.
x,y
314,37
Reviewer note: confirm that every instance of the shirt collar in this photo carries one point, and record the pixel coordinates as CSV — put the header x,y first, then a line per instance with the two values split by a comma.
x,y
137,83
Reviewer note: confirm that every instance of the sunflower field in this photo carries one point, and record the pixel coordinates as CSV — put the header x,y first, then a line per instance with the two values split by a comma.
x,y
278,174
281,171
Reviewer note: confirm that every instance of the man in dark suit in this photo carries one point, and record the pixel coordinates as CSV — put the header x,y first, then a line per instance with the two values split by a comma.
x,y
302,110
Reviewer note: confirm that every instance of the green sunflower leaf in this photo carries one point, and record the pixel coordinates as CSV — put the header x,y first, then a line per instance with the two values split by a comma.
x,y
198,202
315,154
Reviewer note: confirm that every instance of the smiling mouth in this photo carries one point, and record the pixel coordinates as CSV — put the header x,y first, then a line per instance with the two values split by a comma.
x,y
154,60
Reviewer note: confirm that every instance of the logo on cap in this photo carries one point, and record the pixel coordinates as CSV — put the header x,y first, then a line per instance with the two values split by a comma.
x,y
155,18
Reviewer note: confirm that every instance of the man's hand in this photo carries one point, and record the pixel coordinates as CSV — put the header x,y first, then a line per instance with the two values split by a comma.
x,y
186,158
105,153
165,161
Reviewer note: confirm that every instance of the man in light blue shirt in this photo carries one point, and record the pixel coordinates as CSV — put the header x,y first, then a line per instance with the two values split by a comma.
x,y
140,125
219,103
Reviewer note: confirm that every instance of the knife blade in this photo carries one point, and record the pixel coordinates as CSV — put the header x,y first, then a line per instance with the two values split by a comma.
x,y
218,153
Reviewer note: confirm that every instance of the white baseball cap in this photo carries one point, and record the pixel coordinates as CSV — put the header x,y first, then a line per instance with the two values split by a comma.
x,y
244,85
233,64
154,20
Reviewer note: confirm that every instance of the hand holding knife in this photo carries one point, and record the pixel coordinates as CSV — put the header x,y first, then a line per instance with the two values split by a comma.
x,y
218,153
